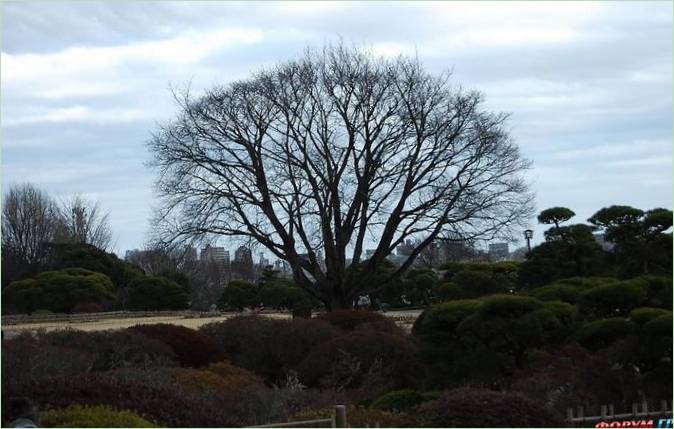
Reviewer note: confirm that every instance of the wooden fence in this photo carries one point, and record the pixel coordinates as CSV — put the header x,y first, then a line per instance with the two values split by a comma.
x,y
338,420
607,414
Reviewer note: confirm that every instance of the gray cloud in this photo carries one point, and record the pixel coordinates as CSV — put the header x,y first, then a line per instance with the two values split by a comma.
x,y
588,85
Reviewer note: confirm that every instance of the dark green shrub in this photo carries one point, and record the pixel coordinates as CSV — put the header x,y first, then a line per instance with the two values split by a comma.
x,y
483,408
58,291
269,347
441,320
350,360
239,294
96,416
447,291
602,333
557,292
156,293
399,400
642,315
191,347
657,336
659,290
611,300
475,284
302,309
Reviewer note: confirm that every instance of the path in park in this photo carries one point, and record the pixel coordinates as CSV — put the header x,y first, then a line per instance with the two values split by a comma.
x,y
405,318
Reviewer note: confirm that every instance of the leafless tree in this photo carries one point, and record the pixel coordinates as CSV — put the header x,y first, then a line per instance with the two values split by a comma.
x,y
321,154
81,221
29,222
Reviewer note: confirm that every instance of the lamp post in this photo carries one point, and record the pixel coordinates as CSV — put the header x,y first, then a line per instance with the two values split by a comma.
x,y
528,235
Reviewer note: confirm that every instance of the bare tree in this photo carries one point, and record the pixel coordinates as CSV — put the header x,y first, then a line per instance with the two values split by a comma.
x,y
29,222
320,155
82,221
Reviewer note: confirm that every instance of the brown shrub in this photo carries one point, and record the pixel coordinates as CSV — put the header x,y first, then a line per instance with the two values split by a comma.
x,y
191,347
349,320
483,408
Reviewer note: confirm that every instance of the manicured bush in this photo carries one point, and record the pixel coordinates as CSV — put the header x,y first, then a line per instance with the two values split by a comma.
x,y
221,379
302,309
602,333
400,400
96,416
483,408
113,349
156,293
643,315
475,284
165,405
657,335
348,320
269,347
191,347
239,294
58,291
557,292
348,361
25,359
447,291
659,290
441,320
613,299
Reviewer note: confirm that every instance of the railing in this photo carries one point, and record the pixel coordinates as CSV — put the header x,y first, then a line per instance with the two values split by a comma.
x,y
338,420
607,412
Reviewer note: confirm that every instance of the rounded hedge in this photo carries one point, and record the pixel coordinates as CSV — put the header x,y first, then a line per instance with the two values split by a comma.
x,y
643,315
444,318
348,320
156,293
468,407
614,299
95,416
602,333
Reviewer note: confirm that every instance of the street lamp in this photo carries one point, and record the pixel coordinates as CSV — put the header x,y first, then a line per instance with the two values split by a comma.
x,y
528,235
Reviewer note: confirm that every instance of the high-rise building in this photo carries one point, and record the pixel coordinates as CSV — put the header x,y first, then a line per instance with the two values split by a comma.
x,y
214,254
499,250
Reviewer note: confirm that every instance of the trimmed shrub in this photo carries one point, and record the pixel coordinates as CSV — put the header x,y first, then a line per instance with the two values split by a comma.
x,y
557,292
357,358
96,416
165,405
400,400
612,300
642,315
58,291
25,359
156,293
447,291
222,379
348,320
302,309
475,284
659,290
657,335
269,347
112,349
191,347
236,378
239,294
483,408
602,333
441,320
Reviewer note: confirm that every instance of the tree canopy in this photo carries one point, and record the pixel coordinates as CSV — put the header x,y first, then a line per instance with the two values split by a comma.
x,y
313,157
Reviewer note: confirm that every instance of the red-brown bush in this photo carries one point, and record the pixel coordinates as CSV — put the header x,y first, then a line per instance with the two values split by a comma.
x,y
165,405
352,359
191,347
483,408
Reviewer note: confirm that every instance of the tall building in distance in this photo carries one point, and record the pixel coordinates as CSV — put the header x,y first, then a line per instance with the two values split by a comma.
x,y
214,254
242,266
499,251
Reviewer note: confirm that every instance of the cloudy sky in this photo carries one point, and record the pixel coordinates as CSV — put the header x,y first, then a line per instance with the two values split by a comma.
x,y
588,85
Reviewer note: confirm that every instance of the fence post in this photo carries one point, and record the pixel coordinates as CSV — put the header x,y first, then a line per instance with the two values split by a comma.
x,y
663,406
602,413
644,406
611,410
635,409
569,414
340,416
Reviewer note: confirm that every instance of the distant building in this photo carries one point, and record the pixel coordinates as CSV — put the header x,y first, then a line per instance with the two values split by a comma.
x,y
369,253
499,251
242,266
406,248
214,254
190,253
